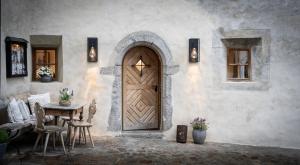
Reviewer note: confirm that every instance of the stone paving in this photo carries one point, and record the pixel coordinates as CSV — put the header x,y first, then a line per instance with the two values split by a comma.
x,y
128,150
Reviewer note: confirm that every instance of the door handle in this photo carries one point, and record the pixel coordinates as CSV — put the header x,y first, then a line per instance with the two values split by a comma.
x,y
155,88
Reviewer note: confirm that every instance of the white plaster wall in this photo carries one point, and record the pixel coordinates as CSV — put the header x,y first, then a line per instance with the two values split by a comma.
x,y
269,117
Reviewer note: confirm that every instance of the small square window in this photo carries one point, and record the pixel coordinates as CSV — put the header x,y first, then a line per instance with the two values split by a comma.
x,y
44,57
47,52
238,64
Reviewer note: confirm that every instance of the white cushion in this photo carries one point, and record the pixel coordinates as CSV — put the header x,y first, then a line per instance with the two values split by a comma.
x,y
10,115
43,99
24,109
32,117
45,95
13,109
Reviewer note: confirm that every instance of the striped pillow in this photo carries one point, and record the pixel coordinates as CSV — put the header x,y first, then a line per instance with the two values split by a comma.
x,y
14,111
24,109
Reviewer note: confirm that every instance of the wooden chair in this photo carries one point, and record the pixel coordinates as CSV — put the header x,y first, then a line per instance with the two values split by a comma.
x,y
66,119
83,125
41,129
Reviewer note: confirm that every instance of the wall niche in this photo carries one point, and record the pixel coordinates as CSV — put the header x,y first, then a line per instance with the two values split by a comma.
x,y
47,51
257,41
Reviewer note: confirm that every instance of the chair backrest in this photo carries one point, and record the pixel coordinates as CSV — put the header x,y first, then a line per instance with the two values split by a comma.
x,y
40,117
92,111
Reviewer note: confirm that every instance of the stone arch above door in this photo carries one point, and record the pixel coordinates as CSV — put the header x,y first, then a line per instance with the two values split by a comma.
x,y
156,43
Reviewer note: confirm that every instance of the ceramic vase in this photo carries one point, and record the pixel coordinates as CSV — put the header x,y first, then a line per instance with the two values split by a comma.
x,y
199,136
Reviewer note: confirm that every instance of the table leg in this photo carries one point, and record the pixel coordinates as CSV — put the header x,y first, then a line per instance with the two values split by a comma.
x,y
55,123
70,130
68,135
55,120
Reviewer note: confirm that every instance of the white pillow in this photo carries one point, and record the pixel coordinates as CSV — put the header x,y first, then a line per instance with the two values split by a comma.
x,y
46,96
10,115
43,99
13,109
24,109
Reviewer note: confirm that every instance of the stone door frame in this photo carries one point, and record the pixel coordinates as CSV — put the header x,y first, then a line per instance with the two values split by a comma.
x,y
157,44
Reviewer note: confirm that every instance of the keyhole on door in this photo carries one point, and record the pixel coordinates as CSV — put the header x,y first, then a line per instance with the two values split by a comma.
x,y
156,88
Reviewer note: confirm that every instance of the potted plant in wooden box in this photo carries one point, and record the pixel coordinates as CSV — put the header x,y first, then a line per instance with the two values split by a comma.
x,y
3,142
45,74
199,130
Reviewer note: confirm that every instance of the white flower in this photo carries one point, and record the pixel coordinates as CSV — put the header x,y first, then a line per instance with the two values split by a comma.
x,y
65,94
44,70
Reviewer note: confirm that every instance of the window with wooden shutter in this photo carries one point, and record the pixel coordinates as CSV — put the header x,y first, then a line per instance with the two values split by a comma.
x,y
44,57
238,64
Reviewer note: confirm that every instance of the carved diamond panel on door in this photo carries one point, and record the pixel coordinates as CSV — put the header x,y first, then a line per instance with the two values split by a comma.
x,y
141,89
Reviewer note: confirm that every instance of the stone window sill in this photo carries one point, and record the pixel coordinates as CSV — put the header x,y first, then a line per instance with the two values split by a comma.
x,y
244,85
51,82
37,81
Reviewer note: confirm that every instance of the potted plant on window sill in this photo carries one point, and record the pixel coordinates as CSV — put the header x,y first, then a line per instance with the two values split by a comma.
x,y
45,74
199,130
3,143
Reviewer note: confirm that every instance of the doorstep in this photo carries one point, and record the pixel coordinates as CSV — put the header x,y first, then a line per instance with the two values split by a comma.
x,y
142,134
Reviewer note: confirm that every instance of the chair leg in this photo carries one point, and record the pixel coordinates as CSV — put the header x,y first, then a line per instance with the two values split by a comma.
x,y
37,141
62,142
75,131
53,140
46,143
43,142
64,122
80,134
84,135
88,128
68,140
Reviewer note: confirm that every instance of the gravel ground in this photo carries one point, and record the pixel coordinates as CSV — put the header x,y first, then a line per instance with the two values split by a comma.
x,y
127,150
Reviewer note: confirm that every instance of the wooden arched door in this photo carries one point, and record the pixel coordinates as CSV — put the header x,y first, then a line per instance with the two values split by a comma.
x,y
141,89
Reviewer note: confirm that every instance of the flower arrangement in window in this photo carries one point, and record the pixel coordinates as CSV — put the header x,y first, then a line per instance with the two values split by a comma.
x,y
45,74
65,96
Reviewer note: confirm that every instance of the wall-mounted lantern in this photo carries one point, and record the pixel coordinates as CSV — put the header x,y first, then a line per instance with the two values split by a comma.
x,y
194,48
92,49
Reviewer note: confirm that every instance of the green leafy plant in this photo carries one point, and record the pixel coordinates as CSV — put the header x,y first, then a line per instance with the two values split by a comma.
x,y
3,136
199,124
65,94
